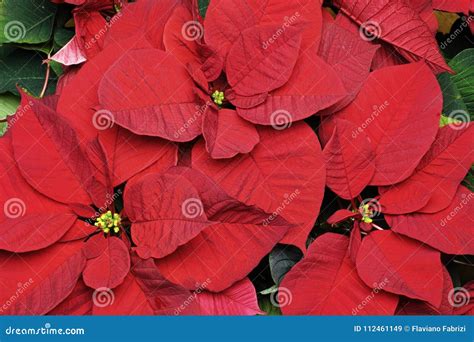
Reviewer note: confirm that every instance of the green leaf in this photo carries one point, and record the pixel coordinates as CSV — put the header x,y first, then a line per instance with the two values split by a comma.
x,y
8,105
458,89
26,21
282,258
26,69
203,5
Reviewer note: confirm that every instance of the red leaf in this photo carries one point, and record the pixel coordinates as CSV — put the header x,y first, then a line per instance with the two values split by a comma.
x,y
224,22
397,23
29,220
238,300
453,6
227,134
162,222
433,185
313,86
276,176
325,283
449,230
126,299
40,280
416,307
341,215
254,67
129,154
70,54
228,249
399,109
153,16
81,111
38,158
349,160
110,267
406,266
163,105
353,61
355,240
227,19
87,42
78,303
181,34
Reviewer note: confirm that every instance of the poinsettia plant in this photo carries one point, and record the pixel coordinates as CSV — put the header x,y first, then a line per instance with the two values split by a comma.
x,y
246,157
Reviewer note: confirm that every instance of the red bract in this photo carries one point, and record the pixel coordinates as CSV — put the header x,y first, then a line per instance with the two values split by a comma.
x,y
268,83
406,31
115,204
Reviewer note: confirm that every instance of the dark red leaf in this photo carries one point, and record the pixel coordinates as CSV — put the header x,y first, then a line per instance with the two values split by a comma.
x,y
278,177
349,160
435,181
325,282
406,266
449,230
